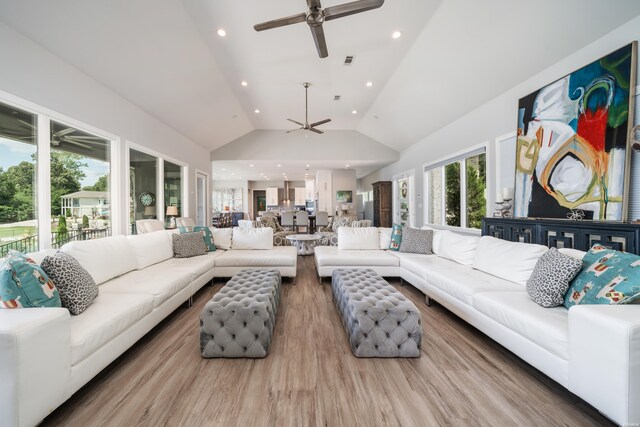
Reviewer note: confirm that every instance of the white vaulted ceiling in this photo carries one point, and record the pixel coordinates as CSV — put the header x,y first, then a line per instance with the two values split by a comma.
x,y
454,55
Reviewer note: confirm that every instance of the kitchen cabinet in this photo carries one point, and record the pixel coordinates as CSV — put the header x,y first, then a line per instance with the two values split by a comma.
x,y
310,189
272,196
299,198
324,189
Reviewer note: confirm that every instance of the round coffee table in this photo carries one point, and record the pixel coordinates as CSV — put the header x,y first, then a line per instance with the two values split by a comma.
x,y
304,242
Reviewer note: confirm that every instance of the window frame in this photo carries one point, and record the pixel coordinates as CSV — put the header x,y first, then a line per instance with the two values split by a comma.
x,y
459,157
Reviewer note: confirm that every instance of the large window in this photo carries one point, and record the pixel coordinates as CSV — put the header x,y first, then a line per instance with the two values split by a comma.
x,y
80,196
456,191
18,167
143,182
172,192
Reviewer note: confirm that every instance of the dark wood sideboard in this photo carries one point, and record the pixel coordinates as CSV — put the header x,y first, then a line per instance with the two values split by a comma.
x,y
382,204
565,233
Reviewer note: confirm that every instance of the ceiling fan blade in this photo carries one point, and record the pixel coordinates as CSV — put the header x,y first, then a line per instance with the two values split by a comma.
x,y
64,132
315,130
346,9
321,44
298,123
287,20
76,143
294,130
321,122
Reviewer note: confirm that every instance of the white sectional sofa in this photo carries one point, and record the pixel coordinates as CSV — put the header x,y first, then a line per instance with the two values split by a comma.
x,y
592,350
46,355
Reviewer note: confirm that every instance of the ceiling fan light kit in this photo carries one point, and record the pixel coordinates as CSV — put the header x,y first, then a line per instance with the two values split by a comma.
x,y
316,16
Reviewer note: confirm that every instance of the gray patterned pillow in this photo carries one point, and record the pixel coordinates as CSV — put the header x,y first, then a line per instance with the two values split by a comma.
x,y
416,241
188,245
340,221
551,277
76,286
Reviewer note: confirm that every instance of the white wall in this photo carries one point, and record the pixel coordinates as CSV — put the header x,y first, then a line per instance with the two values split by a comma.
x,y
492,120
345,180
30,72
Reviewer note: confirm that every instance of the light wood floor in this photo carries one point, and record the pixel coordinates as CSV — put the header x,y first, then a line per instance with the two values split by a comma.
x,y
311,378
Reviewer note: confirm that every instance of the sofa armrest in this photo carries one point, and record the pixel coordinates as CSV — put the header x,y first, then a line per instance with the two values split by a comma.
x,y
604,359
35,368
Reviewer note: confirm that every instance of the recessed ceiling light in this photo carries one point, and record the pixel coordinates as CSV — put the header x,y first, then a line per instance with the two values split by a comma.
x,y
396,34
369,84
244,83
222,32
223,169
279,166
346,166
256,111
250,166
354,112
308,166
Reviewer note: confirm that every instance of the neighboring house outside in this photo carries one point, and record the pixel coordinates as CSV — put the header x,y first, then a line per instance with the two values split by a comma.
x,y
93,204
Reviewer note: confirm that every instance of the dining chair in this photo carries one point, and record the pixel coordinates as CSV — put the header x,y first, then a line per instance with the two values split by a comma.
x,y
268,213
322,219
286,219
302,220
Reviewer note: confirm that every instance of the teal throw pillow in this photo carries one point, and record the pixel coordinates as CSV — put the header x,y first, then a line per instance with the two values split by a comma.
x,y
206,233
23,284
607,277
396,237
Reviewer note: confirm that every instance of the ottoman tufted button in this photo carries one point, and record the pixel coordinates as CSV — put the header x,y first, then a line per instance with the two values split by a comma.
x,y
409,335
398,323
256,336
222,324
365,312
387,334
244,348
365,335
376,323
233,336
222,348
244,324
376,346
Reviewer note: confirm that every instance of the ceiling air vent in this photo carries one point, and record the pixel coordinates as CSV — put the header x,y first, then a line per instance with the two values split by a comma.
x,y
348,60
336,98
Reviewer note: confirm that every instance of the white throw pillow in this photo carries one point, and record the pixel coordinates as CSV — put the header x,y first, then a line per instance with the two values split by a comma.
x,y
252,238
221,237
105,258
350,238
576,253
385,237
151,248
512,261
455,246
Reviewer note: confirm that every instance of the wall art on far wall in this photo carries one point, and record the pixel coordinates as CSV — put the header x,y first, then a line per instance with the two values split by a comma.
x,y
344,196
572,145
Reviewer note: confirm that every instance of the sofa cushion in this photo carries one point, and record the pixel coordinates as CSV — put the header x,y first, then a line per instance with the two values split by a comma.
x,y
188,245
160,281
416,241
607,277
350,238
455,246
108,316
551,276
396,237
546,327
105,258
23,284
221,237
333,256
195,266
151,248
206,235
282,256
76,286
252,238
385,237
459,281
508,260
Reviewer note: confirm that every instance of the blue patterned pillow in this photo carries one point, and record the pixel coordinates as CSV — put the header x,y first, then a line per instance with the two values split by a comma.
x,y
23,284
206,233
607,277
396,237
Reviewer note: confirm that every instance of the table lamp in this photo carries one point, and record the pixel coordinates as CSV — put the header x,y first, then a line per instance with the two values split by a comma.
x,y
172,213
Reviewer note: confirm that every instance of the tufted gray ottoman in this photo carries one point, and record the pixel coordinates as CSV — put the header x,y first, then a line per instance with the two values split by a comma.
x,y
379,320
239,320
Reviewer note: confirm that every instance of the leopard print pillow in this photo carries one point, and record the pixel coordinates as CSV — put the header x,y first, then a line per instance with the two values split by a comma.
x,y
76,286
551,278
188,245
416,241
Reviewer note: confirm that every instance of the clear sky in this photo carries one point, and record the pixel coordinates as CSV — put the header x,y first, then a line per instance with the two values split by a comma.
x,y
13,152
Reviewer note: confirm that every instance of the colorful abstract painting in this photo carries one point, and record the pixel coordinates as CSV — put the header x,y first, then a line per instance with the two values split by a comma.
x,y
571,151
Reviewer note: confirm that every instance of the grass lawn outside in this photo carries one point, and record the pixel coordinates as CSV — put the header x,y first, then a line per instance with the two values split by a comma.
x,y
9,233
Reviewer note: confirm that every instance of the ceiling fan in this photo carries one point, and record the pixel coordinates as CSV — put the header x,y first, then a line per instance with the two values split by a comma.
x,y
306,125
316,15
